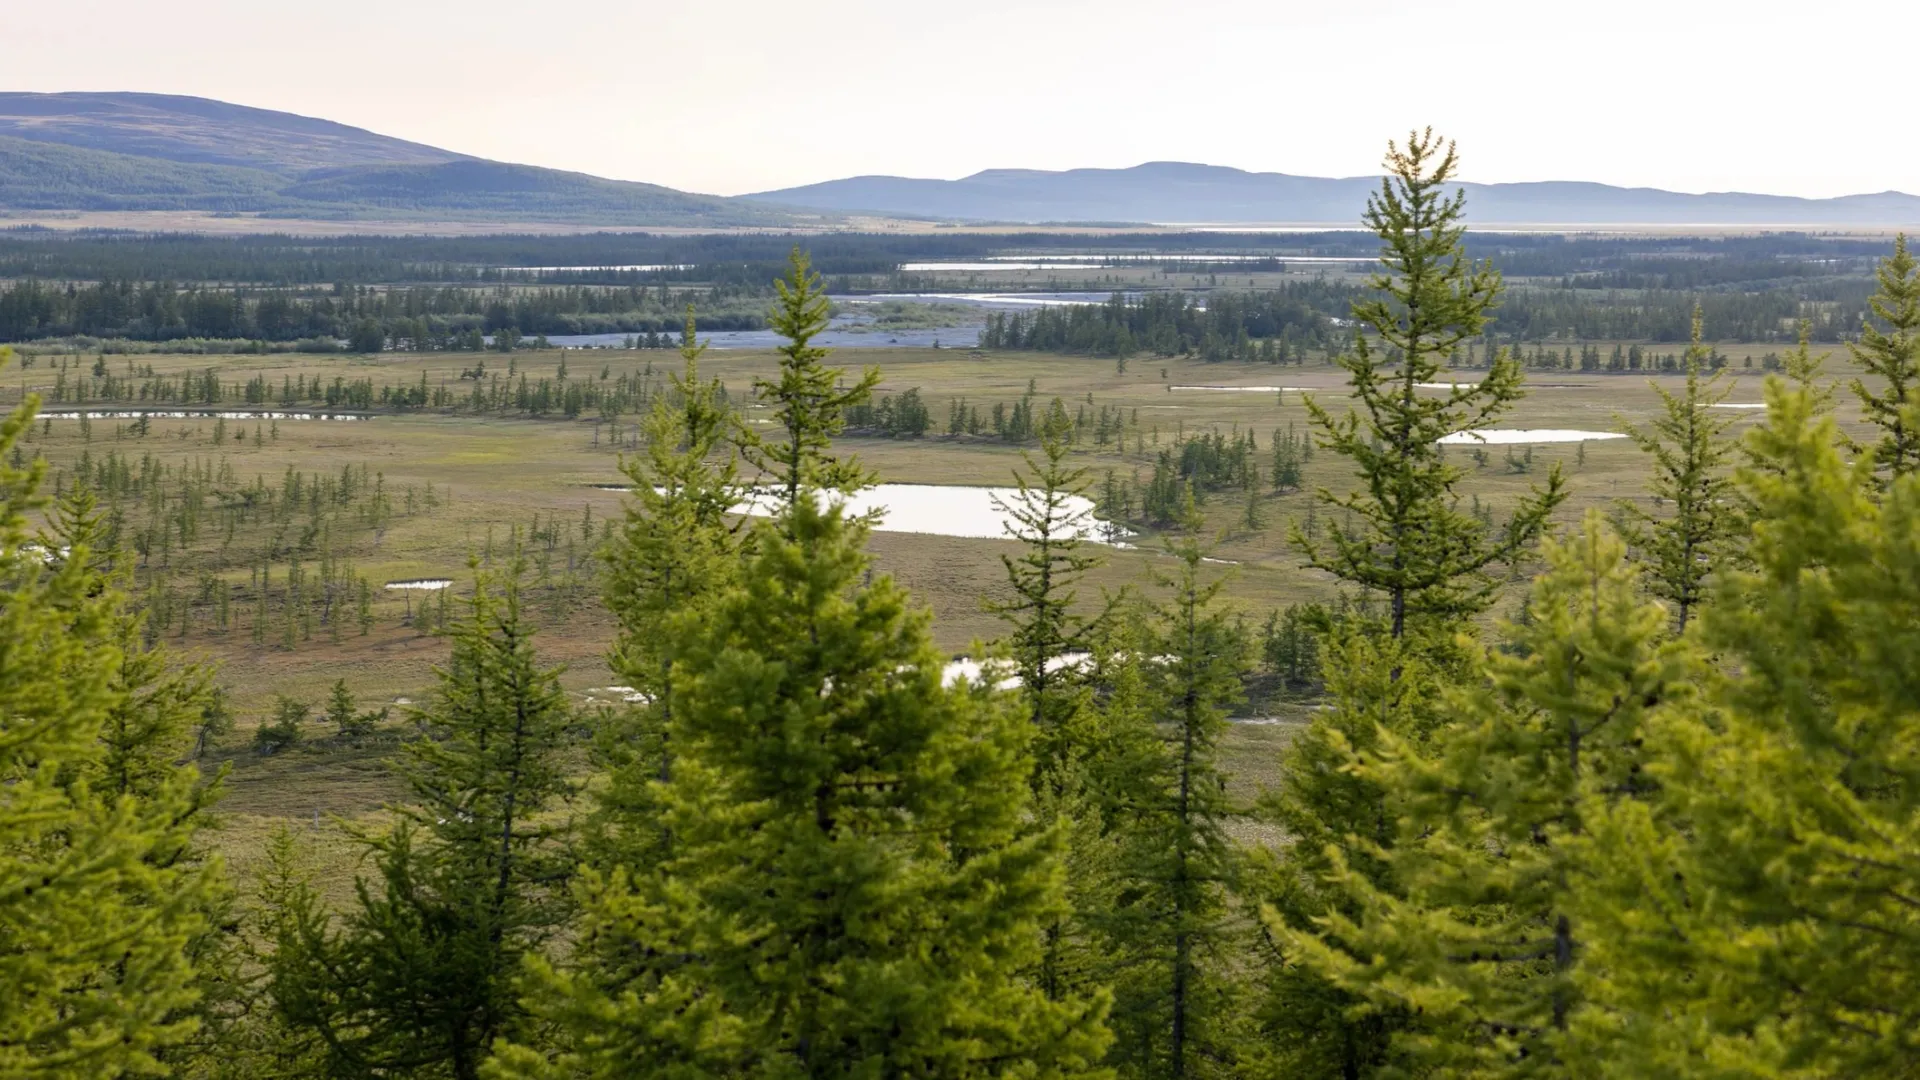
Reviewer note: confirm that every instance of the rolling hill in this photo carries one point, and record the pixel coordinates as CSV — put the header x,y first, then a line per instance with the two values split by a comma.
x,y
1168,191
87,151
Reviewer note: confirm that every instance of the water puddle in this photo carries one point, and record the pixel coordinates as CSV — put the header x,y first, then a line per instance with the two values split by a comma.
x,y
1524,436
1255,389
1738,405
434,584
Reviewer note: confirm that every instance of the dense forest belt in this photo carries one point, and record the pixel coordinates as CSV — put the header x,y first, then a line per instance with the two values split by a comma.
x,y
1670,262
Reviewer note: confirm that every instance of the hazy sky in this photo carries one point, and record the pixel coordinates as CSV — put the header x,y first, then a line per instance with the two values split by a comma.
x,y
731,96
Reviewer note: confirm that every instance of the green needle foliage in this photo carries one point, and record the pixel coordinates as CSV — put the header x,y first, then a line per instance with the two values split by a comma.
x,y
1410,544
1482,935
99,906
1409,541
1052,518
1052,642
1759,918
417,978
1690,449
674,551
809,399
1892,356
852,891
1179,1003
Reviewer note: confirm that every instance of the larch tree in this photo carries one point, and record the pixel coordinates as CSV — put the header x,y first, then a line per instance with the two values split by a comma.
x,y
1412,546
1891,356
1409,541
95,926
675,549
1052,641
808,399
1686,544
418,976
1169,937
852,890
1484,931
1759,917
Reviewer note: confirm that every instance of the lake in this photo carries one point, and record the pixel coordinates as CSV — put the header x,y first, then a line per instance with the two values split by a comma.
x,y
945,510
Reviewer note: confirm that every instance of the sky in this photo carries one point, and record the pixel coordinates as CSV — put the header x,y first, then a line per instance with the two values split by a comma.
x,y
735,96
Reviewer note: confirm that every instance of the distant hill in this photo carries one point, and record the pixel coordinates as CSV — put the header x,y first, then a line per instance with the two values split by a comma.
x,y
112,151
201,131
1170,191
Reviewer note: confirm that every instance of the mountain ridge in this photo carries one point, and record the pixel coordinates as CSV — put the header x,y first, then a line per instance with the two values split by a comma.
x,y
92,151
1172,192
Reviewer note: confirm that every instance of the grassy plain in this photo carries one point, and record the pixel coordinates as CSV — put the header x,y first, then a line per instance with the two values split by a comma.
x,y
494,473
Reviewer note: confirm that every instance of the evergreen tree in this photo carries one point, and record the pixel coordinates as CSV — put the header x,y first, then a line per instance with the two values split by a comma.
x,y
1050,515
851,891
1690,451
1483,931
1178,1005
1757,918
675,550
809,400
1052,642
1892,356
1404,539
1408,541
97,910
417,977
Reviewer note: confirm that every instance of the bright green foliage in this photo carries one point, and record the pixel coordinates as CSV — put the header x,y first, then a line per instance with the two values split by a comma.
x,y
1892,355
1481,935
1760,918
1178,1001
1412,545
1409,541
1336,819
1052,642
809,399
673,552
1051,518
97,906
851,890
1682,549
417,977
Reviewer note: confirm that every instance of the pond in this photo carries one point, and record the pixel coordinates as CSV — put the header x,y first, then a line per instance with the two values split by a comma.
x,y
1256,389
946,510
434,584
1524,436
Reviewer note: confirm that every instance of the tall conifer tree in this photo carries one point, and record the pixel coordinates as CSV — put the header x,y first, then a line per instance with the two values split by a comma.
x,y
1412,546
1052,642
1483,932
1409,541
95,920
418,977
851,890
1179,1006
809,400
675,550
1892,356
1758,918
1683,548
